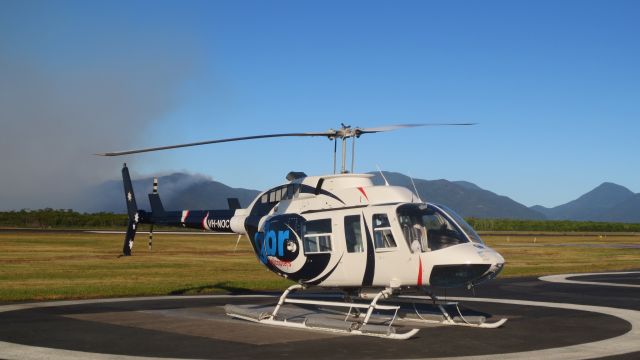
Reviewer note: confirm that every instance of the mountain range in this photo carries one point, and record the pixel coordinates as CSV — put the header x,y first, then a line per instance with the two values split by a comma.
x,y
464,197
607,202
177,191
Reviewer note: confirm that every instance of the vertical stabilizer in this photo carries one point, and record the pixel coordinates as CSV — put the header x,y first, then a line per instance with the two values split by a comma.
x,y
234,203
157,210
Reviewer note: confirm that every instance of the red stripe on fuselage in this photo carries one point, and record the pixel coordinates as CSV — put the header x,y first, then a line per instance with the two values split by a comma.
x,y
363,193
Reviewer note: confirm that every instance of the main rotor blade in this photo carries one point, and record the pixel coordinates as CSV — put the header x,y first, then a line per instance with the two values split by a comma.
x,y
329,134
404,126
343,133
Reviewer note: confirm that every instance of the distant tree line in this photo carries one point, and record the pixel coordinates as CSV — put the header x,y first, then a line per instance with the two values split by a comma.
x,y
69,219
550,225
60,219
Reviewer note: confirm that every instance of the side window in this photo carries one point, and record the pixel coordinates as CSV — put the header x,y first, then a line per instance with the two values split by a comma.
x,y
317,236
353,233
383,237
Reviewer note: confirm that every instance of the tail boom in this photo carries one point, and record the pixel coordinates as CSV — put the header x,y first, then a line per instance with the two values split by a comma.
x,y
223,221
210,220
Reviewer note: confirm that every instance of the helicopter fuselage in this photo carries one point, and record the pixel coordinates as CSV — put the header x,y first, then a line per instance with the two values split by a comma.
x,y
344,231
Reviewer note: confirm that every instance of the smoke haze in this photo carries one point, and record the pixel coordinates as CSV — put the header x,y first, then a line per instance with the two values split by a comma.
x,y
71,86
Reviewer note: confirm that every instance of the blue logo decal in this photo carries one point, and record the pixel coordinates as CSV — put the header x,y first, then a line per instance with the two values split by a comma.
x,y
275,239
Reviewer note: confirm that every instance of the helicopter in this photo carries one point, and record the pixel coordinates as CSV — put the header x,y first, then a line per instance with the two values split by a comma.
x,y
378,243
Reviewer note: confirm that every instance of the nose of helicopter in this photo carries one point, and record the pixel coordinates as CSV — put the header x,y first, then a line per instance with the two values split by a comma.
x,y
476,263
497,263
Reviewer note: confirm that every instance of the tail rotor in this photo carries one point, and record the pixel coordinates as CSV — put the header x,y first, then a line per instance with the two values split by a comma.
x,y
132,212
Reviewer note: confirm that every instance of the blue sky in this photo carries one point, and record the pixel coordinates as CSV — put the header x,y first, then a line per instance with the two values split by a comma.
x,y
553,85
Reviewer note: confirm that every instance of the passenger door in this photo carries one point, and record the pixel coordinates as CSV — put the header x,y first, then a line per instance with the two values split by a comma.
x,y
354,258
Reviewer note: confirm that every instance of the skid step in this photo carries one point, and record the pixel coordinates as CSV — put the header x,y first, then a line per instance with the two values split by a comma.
x,y
246,312
322,322
471,319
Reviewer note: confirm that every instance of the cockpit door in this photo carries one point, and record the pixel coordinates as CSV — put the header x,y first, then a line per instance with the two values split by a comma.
x,y
391,254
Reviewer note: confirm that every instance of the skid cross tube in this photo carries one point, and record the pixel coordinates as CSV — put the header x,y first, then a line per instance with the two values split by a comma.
x,y
386,293
283,299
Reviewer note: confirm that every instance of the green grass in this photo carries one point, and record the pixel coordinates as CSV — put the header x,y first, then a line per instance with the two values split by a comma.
x,y
71,265
80,265
535,255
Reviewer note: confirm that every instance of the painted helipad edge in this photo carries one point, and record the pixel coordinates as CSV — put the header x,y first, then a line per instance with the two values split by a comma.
x,y
563,279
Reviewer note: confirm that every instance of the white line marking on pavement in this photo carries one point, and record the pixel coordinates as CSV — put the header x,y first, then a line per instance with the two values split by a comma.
x,y
563,279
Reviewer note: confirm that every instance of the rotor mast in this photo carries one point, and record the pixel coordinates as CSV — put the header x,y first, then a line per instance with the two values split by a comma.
x,y
344,133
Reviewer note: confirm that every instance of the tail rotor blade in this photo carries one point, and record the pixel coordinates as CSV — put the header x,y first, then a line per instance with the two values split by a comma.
x,y
130,197
132,212
129,237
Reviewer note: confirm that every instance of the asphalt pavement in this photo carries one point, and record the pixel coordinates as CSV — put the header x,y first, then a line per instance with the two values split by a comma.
x,y
197,327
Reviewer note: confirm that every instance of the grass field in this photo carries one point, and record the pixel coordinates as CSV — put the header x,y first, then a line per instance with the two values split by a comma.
x,y
536,255
68,265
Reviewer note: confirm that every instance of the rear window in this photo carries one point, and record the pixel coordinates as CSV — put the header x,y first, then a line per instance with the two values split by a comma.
x,y
317,236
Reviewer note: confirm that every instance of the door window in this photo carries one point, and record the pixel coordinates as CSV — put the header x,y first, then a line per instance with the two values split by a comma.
x,y
382,232
353,233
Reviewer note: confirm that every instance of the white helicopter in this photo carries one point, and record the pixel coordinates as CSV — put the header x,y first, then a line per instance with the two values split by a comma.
x,y
340,231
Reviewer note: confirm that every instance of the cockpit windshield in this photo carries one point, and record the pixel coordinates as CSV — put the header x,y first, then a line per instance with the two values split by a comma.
x,y
427,228
472,234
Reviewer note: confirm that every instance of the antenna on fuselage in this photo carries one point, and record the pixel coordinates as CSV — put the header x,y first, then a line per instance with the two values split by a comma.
x,y
386,183
415,188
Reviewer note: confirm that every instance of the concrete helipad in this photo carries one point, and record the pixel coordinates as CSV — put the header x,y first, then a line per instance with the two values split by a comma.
x,y
578,318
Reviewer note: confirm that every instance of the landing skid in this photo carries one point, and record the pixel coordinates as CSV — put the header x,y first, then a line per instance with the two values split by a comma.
x,y
446,319
343,326
353,323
